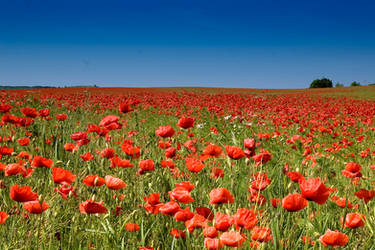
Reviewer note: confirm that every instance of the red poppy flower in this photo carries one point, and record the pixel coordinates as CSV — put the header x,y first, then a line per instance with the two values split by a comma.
x,y
165,131
342,202
294,202
39,161
3,217
132,227
131,150
232,239
190,144
107,120
29,112
125,108
223,222
153,199
34,207
294,176
164,144
212,150
70,147
118,162
184,214
22,194
92,207
352,170
170,208
334,238
79,136
260,181
185,122
3,166
62,176
44,112
205,212
275,202
180,194
146,165
220,195
5,108
186,185
170,152
194,165
24,155
249,143
245,218
167,163
262,158
153,203
234,152
353,220
114,183
213,244
313,189
256,197
365,195
61,117
261,234
65,191
4,150
107,153
93,181
177,233
23,141
217,173
198,221
87,156
15,169
210,232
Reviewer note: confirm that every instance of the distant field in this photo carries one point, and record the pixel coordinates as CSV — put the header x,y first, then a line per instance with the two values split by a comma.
x,y
363,92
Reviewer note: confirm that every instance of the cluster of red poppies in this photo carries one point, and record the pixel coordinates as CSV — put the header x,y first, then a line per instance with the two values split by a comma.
x,y
227,165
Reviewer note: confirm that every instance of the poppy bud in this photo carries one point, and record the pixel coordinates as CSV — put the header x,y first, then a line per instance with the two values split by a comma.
x,y
247,161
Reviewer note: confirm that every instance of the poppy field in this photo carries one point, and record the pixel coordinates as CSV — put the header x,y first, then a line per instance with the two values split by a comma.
x,y
102,168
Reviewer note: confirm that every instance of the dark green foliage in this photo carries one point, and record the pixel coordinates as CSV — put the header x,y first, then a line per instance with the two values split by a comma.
x,y
321,83
339,85
355,84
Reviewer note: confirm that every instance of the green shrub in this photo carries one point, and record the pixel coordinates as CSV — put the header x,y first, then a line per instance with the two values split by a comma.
x,y
355,84
321,83
339,85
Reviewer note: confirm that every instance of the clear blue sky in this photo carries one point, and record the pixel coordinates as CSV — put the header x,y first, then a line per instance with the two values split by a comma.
x,y
254,44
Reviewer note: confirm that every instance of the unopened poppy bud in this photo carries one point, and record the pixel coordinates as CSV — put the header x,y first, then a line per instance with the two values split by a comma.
x,y
93,197
96,180
290,184
59,164
247,161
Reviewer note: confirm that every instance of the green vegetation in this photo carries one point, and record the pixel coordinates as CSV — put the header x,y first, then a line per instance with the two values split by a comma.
x,y
321,83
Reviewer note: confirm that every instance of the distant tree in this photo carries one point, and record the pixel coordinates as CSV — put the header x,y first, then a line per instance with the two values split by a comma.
x,y
355,84
321,83
339,85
